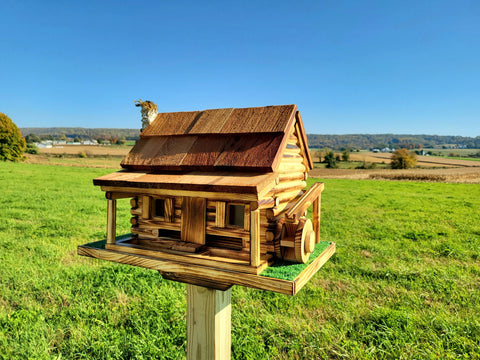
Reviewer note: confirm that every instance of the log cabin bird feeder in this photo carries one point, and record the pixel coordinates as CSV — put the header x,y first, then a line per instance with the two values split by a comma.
x,y
217,197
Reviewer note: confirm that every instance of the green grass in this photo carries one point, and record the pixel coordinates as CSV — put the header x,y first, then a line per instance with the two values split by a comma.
x,y
287,270
404,282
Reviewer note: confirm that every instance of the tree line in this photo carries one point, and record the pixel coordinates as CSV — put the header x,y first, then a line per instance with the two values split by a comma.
x,y
319,141
81,133
380,141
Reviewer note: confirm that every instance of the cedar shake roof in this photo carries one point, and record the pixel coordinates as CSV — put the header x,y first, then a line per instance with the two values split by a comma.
x,y
247,139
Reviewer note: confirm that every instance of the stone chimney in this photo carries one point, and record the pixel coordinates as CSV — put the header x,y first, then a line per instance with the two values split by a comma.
x,y
149,112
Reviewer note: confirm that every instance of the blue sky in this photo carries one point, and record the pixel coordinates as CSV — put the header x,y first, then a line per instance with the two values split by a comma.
x,y
403,67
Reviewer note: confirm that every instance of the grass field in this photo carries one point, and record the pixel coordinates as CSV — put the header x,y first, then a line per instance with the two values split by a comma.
x,y
404,283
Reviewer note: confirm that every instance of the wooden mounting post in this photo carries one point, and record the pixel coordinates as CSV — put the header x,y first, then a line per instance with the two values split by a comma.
x,y
255,238
111,221
209,316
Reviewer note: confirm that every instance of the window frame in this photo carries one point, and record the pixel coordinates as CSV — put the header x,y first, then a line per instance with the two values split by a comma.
x,y
168,208
228,212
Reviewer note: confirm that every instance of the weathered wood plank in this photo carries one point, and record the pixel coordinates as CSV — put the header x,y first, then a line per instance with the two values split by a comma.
x,y
116,196
288,196
289,168
300,130
305,201
193,271
210,121
173,123
243,152
227,232
269,119
255,238
193,219
291,176
279,209
211,195
220,213
207,182
312,268
215,259
154,224
146,206
111,220
204,152
287,186
169,210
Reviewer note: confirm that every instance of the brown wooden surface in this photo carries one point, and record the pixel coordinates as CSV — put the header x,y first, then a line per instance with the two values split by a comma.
x,y
302,235
225,121
238,183
255,238
209,314
214,258
246,152
248,139
116,196
289,128
185,271
169,210
305,201
302,279
252,151
146,207
193,220
220,213
224,196
287,197
302,137
180,246
111,220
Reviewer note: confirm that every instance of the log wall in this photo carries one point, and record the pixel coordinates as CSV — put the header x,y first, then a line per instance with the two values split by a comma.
x,y
288,188
146,227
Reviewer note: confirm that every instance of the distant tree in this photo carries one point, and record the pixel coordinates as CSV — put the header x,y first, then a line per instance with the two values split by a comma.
x,y
32,149
32,138
403,159
12,143
316,156
330,160
346,155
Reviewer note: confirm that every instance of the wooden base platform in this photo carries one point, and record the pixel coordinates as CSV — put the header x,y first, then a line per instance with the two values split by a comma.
x,y
180,267
204,257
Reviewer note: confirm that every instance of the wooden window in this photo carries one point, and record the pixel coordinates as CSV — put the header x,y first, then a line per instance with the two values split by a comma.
x,y
162,209
236,215
159,208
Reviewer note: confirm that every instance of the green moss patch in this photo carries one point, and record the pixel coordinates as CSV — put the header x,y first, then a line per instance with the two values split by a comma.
x,y
286,270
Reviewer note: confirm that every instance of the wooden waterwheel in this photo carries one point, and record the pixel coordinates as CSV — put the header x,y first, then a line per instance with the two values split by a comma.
x,y
296,241
296,236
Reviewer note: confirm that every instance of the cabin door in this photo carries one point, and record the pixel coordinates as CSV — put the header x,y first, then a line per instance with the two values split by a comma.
x,y
194,212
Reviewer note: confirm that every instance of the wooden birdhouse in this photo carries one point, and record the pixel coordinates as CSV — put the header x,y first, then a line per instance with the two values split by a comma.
x,y
217,196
